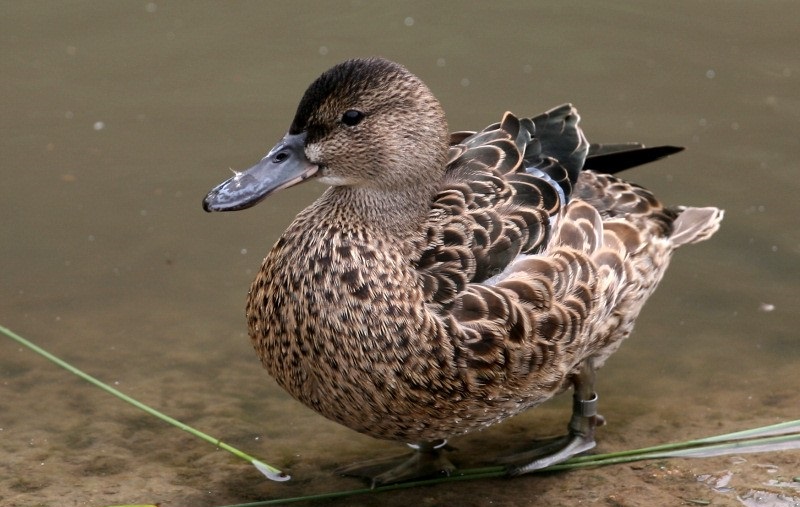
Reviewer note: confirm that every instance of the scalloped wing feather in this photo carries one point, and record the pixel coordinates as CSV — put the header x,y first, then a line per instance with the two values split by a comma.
x,y
533,285
552,310
495,204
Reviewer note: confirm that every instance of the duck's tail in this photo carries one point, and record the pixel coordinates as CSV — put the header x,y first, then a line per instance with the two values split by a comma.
x,y
695,224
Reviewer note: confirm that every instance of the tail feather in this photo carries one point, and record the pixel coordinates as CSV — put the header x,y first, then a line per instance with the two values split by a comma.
x,y
695,224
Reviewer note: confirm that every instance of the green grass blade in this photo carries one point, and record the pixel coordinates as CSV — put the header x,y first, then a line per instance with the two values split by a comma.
x,y
699,448
774,429
269,471
664,449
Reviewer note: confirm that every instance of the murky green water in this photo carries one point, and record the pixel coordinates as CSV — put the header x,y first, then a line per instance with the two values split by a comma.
x,y
118,117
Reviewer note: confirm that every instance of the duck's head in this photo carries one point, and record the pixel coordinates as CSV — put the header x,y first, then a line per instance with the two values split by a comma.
x,y
365,123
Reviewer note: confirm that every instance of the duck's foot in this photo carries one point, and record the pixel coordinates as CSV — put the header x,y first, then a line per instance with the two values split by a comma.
x,y
580,437
427,461
555,450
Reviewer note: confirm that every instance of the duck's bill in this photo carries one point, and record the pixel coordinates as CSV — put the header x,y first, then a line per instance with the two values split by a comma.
x,y
285,165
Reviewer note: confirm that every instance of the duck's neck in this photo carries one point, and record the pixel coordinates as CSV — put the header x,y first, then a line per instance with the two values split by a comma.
x,y
398,215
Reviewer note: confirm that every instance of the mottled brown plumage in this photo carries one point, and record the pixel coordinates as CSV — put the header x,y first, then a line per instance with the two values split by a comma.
x,y
444,283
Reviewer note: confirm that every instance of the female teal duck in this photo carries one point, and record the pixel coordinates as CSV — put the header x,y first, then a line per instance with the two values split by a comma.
x,y
442,284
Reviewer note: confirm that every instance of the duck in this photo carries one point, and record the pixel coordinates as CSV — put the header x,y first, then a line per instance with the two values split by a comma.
x,y
443,283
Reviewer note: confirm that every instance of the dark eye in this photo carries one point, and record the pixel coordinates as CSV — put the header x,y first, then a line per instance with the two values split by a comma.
x,y
352,117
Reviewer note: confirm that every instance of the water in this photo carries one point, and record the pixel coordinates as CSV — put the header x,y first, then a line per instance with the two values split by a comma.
x,y
118,117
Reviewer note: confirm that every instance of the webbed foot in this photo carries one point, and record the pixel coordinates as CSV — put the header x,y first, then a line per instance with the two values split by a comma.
x,y
427,461
580,437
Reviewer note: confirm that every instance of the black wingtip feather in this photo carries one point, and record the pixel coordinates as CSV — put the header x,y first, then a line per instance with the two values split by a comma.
x,y
612,162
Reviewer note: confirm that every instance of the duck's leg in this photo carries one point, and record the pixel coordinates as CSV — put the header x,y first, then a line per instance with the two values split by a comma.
x,y
427,461
580,437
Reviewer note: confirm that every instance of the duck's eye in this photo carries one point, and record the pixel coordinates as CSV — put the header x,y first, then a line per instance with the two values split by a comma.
x,y
352,117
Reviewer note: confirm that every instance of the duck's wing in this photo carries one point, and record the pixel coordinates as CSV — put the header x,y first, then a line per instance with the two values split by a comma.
x,y
503,188
532,263
550,143
506,187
